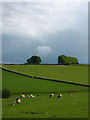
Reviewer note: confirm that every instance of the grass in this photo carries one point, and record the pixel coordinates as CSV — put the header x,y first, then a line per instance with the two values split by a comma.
x,y
77,74
85,65
17,83
75,106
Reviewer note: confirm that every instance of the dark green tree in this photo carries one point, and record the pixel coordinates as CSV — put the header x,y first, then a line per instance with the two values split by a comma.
x,y
34,60
64,60
75,60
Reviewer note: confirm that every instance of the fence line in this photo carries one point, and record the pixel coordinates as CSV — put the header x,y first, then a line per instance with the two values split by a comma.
x,y
44,78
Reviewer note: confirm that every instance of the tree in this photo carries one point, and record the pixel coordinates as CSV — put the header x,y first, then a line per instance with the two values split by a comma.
x,y
34,60
64,60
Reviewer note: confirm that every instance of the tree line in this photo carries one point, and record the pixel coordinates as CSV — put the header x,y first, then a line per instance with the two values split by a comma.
x,y
62,60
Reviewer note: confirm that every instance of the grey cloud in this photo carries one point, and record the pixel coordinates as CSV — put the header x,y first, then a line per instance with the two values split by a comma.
x,y
15,50
32,22
63,30
70,43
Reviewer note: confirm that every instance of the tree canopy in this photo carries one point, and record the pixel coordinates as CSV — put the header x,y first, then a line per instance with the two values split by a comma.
x,y
64,60
34,60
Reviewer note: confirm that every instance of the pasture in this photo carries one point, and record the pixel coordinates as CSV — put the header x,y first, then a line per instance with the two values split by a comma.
x,y
18,83
76,74
75,106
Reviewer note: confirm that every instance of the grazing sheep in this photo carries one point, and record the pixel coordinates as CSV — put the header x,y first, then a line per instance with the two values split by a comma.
x,y
22,96
60,95
32,96
18,100
51,95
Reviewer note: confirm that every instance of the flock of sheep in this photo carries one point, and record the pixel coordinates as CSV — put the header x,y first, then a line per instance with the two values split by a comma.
x,y
18,100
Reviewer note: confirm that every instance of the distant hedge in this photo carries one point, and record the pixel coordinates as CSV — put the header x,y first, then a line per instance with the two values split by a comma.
x,y
5,93
64,60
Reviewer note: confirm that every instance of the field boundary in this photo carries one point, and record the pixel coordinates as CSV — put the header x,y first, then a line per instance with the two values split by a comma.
x,y
44,78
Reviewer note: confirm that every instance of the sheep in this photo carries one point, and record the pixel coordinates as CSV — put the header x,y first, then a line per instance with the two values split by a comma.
x,y
51,95
22,96
32,96
60,95
18,100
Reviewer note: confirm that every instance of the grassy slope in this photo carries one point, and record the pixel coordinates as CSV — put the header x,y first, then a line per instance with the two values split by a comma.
x,y
17,83
75,106
78,74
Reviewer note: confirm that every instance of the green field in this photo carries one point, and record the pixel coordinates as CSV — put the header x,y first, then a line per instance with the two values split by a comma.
x,y
76,74
75,106
17,83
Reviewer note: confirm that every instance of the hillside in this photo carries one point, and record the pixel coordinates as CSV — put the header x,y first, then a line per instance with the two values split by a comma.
x,y
18,83
76,74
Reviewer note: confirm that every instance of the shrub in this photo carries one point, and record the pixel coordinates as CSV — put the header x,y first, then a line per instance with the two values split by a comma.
x,y
5,93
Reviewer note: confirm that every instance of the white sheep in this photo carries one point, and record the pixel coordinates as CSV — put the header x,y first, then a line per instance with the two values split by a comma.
x,y
51,95
60,95
22,96
18,100
32,96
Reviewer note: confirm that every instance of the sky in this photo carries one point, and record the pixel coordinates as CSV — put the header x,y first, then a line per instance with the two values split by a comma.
x,y
45,29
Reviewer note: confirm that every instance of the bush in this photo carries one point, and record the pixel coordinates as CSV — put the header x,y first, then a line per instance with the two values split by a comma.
x,y
5,93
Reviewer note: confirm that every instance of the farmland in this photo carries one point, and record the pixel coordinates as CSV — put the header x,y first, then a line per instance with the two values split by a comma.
x,y
75,106
76,74
17,83
45,107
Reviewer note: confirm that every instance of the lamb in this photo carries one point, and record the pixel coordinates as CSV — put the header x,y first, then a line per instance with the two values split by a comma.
x,y
32,96
18,100
22,96
51,95
60,95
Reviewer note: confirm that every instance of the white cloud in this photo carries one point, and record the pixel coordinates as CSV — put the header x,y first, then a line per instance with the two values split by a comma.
x,y
44,50
58,25
36,20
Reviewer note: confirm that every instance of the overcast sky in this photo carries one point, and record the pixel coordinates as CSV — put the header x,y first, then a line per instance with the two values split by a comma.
x,y
45,29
